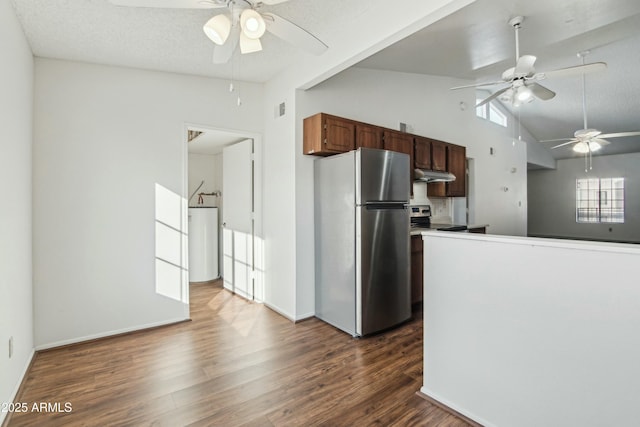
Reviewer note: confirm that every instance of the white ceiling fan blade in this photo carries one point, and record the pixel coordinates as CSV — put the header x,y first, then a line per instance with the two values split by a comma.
x,y
272,2
170,4
601,141
524,66
558,140
492,97
291,33
571,71
566,143
541,92
619,134
222,54
478,85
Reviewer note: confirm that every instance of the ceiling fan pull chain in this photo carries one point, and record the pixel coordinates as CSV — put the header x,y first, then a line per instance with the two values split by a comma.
x,y
585,163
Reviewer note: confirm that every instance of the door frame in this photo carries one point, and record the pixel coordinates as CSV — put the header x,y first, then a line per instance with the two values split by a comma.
x,y
258,180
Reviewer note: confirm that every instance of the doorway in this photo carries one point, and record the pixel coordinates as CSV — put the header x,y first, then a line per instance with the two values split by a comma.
x,y
223,172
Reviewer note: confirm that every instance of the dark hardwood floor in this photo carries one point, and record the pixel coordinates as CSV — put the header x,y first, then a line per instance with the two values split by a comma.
x,y
236,364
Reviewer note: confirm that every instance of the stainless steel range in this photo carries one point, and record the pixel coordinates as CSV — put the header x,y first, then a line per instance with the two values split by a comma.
x,y
420,216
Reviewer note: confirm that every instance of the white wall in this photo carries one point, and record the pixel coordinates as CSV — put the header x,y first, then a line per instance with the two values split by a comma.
x,y
552,195
508,343
207,168
104,136
427,105
16,117
538,155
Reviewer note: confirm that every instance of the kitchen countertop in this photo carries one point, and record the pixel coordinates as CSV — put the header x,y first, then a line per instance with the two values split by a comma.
x,y
414,231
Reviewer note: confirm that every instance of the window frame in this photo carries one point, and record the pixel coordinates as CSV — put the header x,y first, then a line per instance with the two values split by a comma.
x,y
600,200
491,109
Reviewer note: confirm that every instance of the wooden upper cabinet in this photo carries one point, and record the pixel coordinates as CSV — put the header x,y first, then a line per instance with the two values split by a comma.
x,y
324,135
422,153
457,165
400,142
368,136
456,161
438,155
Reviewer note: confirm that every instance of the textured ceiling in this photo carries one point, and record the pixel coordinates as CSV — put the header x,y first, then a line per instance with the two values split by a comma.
x,y
476,43
171,40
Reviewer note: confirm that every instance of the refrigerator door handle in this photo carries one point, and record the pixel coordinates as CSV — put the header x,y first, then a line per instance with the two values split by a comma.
x,y
385,205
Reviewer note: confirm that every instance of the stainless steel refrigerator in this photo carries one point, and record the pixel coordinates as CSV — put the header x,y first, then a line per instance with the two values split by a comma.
x,y
362,249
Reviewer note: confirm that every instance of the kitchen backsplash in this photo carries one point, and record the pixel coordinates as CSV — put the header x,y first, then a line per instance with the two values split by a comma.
x,y
443,210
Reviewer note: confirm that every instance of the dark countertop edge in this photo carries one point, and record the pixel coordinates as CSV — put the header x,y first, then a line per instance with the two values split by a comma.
x,y
435,227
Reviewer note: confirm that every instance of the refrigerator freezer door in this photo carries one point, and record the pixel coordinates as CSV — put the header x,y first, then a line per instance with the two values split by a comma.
x,y
381,175
383,293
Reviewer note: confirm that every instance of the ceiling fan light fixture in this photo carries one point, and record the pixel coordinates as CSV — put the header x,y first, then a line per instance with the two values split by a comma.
x,y
252,23
524,94
218,29
249,45
594,145
582,147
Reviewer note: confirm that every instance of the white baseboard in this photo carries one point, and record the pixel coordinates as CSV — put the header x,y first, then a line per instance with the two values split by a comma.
x,y
16,388
305,316
109,333
281,312
455,407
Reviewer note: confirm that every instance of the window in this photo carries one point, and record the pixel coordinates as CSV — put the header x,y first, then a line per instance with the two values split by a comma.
x,y
496,116
600,200
481,111
491,112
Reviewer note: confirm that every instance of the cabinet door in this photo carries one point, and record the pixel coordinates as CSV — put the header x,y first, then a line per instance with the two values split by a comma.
x,y
368,136
416,269
457,165
324,135
339,134
402,143
438,155
422,152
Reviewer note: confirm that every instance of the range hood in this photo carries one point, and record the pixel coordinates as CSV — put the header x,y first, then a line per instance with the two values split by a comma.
x,y
433,176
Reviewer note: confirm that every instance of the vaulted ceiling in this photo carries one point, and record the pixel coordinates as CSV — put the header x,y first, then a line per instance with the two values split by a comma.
x,y
476,43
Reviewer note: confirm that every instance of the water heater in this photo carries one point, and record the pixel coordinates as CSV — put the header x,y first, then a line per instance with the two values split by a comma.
x,y
203,244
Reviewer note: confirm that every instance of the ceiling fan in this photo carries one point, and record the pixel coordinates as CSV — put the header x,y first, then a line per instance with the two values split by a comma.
x,y
521,80
586,140
241,23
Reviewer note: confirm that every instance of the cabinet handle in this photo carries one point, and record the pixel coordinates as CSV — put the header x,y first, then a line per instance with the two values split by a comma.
x,y
325,140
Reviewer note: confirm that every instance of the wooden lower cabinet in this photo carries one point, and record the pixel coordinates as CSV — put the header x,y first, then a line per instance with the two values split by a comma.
x,y
417,269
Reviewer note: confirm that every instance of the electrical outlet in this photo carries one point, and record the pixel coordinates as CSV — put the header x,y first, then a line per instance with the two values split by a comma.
x,y
10,347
